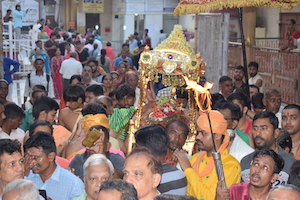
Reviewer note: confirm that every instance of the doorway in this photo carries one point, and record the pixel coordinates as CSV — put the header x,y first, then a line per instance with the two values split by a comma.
x,y
92,20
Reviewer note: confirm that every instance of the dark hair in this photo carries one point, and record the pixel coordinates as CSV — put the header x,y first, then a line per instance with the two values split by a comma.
x,y
102,57
40,87
77,42
115,73
104,129
173,197
108,44
254,86
124,90
294,176
279,162
257,100
39,59
284,140
253,64
93,108
136,33
234,109
8,146
35,124
12,111
97,90
43,104
146,30
93,61
8,10
38,90
65,36
154,164
53,34
125,45
38,41
216,98
179,123
292,106
240,68
127,190
154,137
41,140
18,5
105,75
73,93
75,77
267,114
224,78
292,21
242,99
182,94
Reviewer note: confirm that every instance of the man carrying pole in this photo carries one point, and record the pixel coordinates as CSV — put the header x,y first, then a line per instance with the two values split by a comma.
x,y
200,170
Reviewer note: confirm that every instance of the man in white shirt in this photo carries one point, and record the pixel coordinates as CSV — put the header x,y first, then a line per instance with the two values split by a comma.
x,y
255,78
10,130
69,68
38,77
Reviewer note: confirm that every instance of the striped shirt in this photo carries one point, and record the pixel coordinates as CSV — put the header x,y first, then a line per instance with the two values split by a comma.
x,y
173,181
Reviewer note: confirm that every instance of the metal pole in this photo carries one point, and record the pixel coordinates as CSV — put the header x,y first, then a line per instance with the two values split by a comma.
x,y
1,43
217,157
244,51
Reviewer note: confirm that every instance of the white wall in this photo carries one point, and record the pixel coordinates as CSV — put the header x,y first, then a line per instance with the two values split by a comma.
x,y
187,22
129,24
117,28
154,23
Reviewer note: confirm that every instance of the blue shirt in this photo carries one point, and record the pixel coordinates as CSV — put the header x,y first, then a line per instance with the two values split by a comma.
x,y
7,63
119,59
18,18
61,185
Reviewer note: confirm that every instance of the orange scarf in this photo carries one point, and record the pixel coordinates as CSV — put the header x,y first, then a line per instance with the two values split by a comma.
x,y
219,125
91,120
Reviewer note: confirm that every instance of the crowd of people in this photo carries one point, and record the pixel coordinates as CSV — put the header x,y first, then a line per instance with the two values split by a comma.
x,y
70,139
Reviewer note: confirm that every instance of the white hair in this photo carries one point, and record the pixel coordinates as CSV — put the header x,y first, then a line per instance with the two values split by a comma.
x,y
285,187
27,189
97,159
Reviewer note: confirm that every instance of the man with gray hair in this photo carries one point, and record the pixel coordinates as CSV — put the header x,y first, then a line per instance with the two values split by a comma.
x,y
69,68
284,192
96,169
20,189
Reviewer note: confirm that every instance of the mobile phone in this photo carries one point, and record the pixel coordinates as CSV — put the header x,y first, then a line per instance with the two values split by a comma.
x,y
91,138
43,194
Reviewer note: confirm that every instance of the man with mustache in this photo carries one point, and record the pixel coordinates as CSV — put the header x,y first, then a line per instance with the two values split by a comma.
x,y
177,132
200,170
291,124
255,78
11,163
265,167
272,103
265,132
238,76
59,183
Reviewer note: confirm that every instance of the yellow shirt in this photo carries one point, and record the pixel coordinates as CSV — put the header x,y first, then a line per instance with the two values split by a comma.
x,y
205,187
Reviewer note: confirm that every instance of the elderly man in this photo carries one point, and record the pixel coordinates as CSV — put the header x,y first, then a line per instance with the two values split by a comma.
x,y
40,150
132,79
144,175
87,75
118,190
21,189
284,192
156,139
200,170
10,155
264,170
96,169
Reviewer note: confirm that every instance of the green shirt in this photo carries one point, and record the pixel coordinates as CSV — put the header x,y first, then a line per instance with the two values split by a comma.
x,y
82,197
27,120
